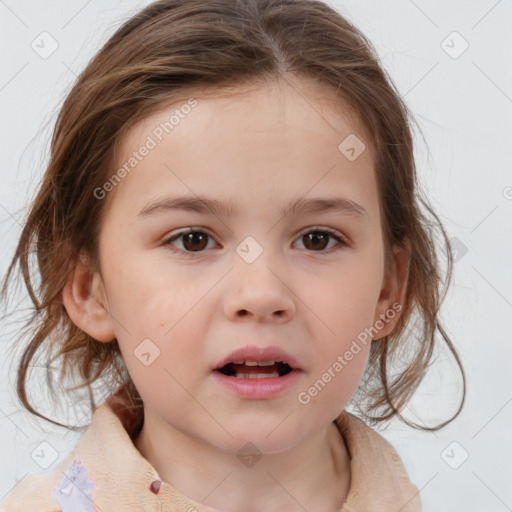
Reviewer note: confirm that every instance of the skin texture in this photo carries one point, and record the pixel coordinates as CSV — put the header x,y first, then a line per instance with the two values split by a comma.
x,y
260,148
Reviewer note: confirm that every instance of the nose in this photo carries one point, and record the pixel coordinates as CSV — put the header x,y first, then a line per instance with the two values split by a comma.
x,y
259,293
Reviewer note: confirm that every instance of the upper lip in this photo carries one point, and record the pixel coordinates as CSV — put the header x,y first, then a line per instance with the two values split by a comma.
x,y
256,353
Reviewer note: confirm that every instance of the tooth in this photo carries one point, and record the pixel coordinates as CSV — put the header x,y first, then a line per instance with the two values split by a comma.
x,y
259,363
238,362
256,376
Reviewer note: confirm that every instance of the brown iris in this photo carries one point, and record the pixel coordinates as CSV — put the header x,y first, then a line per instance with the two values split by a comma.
x,y
314,237
195,238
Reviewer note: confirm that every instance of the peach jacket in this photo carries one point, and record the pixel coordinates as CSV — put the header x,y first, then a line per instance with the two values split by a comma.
x,y
106,473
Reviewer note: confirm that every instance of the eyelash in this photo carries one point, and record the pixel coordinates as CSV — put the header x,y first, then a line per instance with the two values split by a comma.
x,y
333,234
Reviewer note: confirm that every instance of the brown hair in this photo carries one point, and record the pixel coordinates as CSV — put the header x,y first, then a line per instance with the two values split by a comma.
x,y
173,47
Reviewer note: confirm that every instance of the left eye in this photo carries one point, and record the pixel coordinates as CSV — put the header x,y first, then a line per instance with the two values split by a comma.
x,y
196,241
320,236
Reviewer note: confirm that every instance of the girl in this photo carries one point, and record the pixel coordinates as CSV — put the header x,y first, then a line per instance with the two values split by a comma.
x,y
229,235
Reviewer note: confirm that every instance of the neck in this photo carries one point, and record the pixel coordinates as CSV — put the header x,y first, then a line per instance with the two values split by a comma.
x,y
291,480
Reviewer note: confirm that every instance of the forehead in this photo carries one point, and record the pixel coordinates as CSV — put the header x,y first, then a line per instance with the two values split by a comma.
x,y
295,103
283,136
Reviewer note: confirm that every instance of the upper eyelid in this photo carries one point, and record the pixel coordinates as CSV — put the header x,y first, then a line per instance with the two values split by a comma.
x,y
180,231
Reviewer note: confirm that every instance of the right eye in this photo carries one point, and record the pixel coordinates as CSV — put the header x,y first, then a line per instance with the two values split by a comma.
x,y
193,241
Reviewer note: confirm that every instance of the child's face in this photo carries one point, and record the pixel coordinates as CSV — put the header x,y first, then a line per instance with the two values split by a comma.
x,y
260,151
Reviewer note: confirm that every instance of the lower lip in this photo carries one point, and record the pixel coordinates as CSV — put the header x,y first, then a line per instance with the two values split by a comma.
x,y
257,389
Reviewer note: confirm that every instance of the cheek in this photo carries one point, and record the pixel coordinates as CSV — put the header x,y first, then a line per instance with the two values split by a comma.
x,y
345,306
166,325
328,392
161,351
345,301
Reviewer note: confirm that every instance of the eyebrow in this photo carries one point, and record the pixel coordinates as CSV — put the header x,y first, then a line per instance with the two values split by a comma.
x,y
229,208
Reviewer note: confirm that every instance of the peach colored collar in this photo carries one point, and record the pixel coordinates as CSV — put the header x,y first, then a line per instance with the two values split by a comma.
x,y
379,480
106,472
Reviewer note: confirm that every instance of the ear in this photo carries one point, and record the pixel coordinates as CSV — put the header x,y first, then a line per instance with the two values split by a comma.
x,y
86,303
393,292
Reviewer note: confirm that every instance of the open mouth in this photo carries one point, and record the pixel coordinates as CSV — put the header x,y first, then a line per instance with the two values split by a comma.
x,y
255,369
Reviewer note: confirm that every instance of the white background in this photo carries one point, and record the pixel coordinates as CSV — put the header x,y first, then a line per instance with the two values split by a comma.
x,y
464,107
